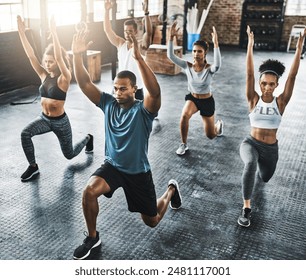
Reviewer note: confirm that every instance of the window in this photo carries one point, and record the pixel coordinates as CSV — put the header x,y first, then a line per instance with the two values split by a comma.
x,y
65,12
8,14
155,8
295,8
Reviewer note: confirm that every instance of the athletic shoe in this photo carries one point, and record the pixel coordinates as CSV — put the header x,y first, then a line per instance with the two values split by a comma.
x,y
221,127
176,199
30,173
84,250
182,149
244,219
89,145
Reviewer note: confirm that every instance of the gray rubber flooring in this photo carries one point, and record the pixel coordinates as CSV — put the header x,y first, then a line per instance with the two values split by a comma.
x,y
43,220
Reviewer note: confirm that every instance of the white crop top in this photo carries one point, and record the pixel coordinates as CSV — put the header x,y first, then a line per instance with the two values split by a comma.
x,y
198,82
265,115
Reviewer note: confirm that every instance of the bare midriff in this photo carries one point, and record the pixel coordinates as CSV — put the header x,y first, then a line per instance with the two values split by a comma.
x,y
267,136
201,95
52,107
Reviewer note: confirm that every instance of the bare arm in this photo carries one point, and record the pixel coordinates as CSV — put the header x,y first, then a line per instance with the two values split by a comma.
x,y
115,40
65,77
78,47
152,98
251,94
284,98
147,36
29,50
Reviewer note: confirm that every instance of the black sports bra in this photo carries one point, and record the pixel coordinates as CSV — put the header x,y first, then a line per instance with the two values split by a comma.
x,y
50,89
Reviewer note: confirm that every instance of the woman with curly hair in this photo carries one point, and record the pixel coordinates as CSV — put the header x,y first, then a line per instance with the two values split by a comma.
x,y
55,76
259,150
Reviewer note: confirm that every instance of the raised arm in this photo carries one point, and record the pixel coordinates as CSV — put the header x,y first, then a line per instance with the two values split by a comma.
x,y
170,50
65,77
152,98
79,46
217,55
251,94
147,36
41,72
111,35
214,37
284,98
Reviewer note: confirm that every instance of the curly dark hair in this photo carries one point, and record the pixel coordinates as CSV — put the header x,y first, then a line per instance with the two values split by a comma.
x,y
272,66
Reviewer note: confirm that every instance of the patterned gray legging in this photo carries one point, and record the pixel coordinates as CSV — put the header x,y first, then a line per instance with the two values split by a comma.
x,y
62,129
256,154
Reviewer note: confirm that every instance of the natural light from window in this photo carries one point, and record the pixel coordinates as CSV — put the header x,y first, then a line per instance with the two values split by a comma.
x,y
295,8
65,12
8,14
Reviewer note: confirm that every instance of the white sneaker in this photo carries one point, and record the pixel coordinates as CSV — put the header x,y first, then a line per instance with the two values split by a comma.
x,y
182,149
221,127
176,199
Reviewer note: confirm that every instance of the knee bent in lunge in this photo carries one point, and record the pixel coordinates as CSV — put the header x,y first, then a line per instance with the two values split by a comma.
x,y
150,222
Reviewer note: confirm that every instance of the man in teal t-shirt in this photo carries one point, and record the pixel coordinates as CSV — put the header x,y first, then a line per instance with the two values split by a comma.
x,y
128,124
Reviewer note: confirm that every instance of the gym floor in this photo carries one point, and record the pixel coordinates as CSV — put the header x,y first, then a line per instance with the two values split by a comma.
x,y
43,219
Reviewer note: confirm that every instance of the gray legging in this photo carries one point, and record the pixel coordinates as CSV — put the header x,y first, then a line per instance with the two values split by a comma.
x,y
256,154
62,129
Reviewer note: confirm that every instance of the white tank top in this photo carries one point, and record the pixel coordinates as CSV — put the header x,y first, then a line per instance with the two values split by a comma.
x,y
265,115
126,61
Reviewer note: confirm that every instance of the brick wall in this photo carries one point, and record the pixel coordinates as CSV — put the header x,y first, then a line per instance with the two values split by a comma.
x,y
288,23
225,15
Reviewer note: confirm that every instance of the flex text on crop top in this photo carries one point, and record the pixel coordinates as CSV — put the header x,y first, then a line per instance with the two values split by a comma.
x,y
50,89
265,115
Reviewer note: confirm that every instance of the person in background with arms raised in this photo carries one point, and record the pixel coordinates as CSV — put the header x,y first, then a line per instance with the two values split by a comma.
x,y
55,76
199,77
125,45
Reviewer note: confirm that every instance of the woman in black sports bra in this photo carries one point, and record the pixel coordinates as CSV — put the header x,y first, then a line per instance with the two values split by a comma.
x,y
55,75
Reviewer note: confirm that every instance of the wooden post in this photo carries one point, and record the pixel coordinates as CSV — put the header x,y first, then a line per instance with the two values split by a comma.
x,y
164,33
113,50
185,27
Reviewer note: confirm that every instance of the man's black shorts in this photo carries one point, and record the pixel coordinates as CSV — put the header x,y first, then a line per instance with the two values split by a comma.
x,y
139,188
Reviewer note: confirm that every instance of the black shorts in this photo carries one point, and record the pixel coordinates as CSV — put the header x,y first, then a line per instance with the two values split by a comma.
x,y
205,106
139,188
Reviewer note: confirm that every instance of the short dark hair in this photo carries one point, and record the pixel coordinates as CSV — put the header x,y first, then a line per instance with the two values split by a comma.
x,y
202,44
131,22
127,74
272,66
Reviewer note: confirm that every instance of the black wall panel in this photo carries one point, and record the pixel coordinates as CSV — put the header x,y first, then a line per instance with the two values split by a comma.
x,y
15,69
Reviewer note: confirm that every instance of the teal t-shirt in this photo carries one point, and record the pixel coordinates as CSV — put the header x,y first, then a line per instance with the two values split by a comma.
x,y
127,134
